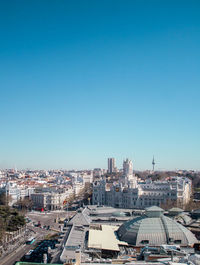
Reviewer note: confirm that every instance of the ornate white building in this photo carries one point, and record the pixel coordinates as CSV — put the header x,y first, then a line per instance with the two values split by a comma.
x,y
128,167
15,192
48,200
141,195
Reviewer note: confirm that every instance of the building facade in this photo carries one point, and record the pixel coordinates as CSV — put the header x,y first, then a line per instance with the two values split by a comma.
x,y
127,167
111,165
48,200
142,195
14,192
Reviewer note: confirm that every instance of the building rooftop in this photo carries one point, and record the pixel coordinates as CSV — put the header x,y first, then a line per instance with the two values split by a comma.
x,y
197,211
176,209
119,214
104,237
75,241
81,218
155,229
32,263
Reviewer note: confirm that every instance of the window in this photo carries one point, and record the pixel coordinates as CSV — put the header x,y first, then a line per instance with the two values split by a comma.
x,y
178,241
144,242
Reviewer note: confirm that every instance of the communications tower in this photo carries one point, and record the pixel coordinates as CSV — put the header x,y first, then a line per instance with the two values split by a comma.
x,y
153,163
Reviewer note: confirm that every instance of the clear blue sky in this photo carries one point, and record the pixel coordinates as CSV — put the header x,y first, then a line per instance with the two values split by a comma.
x,y
81,81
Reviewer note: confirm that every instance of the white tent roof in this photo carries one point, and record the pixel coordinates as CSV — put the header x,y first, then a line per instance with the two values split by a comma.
x,y
104,237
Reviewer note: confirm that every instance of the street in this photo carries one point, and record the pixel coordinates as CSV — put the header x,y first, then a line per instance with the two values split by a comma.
x,y
18,253
47,218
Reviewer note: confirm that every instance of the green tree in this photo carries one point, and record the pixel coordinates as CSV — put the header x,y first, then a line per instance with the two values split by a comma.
x,y
2,228
3,198
10,220
15,222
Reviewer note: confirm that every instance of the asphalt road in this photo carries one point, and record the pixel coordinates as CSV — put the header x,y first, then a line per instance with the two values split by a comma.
x,y
45,219
17,254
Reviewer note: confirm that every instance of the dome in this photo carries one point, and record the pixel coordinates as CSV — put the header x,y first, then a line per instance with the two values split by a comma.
x,y
155,229
154,211
175,211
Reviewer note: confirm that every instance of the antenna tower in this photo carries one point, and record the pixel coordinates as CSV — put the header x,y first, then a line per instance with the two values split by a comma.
x,y
153,163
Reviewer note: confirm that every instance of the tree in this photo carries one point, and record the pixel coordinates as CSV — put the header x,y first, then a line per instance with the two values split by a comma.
x,y
3,198
2,229
15,222
25,204
192,205
10,220
169,204
5,214
87,191
70,199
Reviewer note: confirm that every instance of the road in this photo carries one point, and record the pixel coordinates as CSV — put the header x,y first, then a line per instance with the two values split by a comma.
x,y
45,219
19,253
16,255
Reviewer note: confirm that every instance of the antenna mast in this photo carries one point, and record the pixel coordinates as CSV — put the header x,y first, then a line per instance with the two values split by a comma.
x,y
153,163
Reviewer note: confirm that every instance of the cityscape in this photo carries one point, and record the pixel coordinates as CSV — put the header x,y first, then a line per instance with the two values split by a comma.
x,y
99,138
99,215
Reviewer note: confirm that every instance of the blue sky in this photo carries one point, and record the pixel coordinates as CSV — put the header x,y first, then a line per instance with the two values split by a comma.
x,y
81,81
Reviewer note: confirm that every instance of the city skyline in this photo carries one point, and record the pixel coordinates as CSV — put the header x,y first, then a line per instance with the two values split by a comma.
x,y
118,166
82,82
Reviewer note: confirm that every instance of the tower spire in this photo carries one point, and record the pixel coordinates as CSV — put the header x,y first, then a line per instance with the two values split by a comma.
x,y
153,163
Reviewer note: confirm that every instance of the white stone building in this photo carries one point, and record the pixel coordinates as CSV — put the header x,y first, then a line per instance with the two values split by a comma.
x,y
127,167
48,200
12,192
142,195
87,178
15,192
